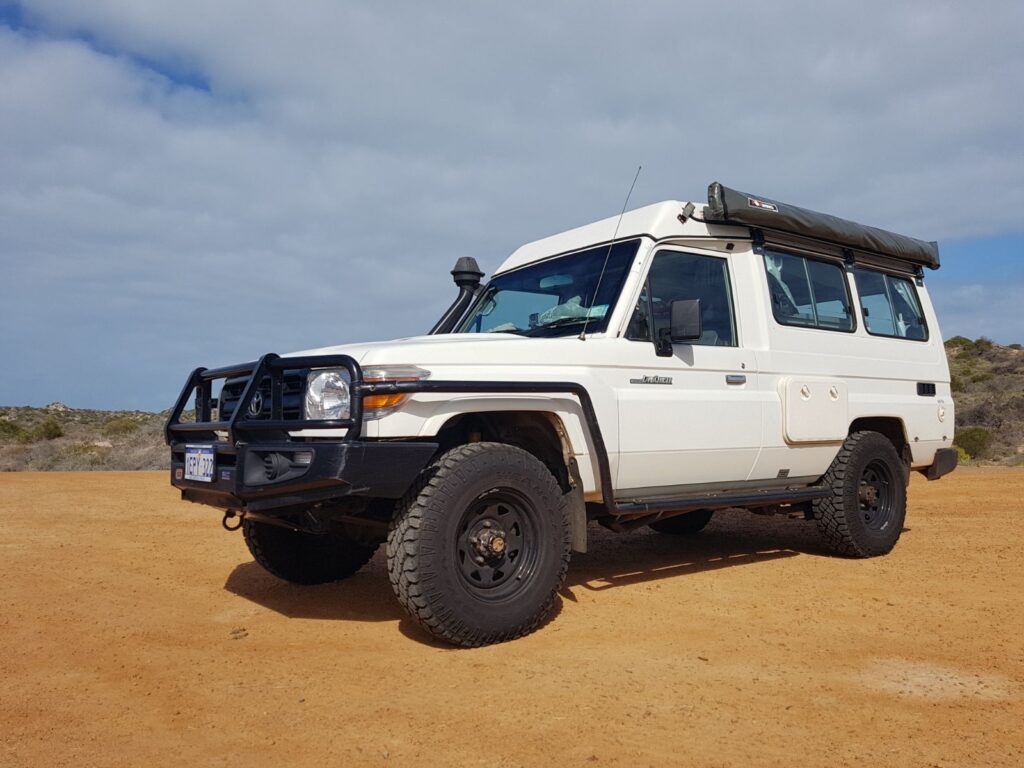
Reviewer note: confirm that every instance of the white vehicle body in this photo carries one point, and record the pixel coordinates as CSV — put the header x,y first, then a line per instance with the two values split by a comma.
x,y
645,370
771,410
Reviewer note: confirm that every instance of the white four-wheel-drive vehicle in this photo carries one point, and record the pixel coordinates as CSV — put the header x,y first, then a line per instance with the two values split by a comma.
x,y
645,370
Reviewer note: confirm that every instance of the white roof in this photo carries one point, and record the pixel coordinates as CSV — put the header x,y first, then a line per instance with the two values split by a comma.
x,y
658,221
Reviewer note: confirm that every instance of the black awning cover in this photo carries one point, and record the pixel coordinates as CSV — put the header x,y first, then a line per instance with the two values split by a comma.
x,y
728,206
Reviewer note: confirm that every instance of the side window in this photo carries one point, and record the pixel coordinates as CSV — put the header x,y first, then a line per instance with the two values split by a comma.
x,y
890,305
808,293
676,276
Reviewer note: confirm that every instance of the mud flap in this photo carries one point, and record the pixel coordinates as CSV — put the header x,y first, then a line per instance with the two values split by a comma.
x,y
577,509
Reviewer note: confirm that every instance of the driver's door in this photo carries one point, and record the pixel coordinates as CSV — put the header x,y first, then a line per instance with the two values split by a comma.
x,y
692,419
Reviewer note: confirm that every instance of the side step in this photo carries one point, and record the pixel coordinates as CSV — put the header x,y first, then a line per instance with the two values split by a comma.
x,y
634,514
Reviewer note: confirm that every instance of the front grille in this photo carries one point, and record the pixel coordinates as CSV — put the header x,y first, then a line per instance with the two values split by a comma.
x,y
294,390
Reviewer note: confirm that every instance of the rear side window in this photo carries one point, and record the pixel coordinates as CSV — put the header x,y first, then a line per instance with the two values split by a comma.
x,y
890,305
808,293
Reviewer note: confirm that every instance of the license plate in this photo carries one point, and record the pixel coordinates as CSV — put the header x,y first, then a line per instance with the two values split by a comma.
x,y
199,463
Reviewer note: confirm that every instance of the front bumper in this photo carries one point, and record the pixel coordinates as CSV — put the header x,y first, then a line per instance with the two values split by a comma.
x,y
275,475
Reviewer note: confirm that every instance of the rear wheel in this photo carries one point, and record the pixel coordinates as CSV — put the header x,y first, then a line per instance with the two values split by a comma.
x,y
305,558
686,524
864,516
479,547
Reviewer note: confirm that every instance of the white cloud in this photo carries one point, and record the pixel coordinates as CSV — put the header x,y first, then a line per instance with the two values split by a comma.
x,y
345,154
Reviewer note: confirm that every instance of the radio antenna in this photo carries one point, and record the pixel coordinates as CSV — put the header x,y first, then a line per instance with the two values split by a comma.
x,y
600,277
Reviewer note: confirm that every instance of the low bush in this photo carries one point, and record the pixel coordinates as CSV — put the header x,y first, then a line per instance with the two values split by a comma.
x,y
962,456
973,440
119,427
983,344
9,431
48,429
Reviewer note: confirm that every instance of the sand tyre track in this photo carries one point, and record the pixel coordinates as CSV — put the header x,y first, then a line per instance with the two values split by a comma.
x,y
864,515
305,558
685,525
479,547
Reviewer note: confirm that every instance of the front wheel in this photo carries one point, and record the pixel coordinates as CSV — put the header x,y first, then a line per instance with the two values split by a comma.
x,y
480,546
864,515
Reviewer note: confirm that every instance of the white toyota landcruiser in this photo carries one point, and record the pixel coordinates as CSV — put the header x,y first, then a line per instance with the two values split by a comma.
x,y
645,370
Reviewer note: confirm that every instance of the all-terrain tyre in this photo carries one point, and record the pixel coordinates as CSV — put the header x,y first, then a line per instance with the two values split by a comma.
x,y
480,545
864,515
305,558
686,524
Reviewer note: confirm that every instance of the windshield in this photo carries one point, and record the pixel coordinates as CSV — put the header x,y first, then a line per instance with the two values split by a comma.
x,y
554,297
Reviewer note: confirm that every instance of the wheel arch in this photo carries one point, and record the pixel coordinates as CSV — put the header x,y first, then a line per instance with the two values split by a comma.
x,y
891,427
542,434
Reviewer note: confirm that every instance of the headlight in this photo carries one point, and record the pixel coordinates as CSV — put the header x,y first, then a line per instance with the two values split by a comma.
x,y
327,394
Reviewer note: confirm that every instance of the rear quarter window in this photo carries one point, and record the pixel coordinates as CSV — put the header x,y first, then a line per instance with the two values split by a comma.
x,y
890,305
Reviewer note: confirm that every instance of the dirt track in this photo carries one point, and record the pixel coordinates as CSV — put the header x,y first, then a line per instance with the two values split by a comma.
x,y
135,632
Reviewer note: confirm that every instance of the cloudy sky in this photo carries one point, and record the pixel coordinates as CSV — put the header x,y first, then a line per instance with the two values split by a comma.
x,y
197,183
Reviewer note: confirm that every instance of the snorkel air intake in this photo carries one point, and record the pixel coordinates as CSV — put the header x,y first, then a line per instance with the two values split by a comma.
x,y
467,276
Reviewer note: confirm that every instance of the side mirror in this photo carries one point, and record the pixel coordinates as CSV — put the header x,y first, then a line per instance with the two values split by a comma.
x,y
685,325
686,320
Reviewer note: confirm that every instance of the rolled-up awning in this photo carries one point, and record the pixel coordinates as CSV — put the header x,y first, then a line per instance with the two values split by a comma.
x,y
729,206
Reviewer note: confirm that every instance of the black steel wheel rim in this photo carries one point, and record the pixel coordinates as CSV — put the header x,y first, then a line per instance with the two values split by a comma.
x,y
497,545
877,495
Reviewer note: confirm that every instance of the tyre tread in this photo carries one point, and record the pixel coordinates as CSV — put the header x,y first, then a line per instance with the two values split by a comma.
x,y
409,577
830,513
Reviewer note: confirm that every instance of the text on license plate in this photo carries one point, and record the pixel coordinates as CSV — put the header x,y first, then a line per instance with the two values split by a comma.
x,y
199,463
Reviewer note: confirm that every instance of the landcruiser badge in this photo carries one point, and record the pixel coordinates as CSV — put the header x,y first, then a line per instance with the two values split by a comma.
x,y
652,380
754,203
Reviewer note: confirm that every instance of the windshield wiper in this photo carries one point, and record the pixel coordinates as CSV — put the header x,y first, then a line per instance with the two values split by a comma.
x,y
557,323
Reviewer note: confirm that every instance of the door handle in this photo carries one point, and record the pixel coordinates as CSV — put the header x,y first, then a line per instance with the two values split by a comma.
x,y
735,378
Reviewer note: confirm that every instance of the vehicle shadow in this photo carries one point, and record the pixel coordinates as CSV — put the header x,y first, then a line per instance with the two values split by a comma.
x,y
733,538
613,560
367,596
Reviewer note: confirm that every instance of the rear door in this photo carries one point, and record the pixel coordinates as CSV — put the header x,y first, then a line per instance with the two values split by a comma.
x,y
695,418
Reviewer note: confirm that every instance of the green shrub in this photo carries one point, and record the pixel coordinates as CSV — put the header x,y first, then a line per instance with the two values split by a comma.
x,y
119,427
962,456
973,440
956,384
979,377
959,341
983,344
48,429
11,431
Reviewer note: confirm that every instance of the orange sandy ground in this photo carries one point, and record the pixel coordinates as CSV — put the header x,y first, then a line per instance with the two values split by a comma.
x,y
135,632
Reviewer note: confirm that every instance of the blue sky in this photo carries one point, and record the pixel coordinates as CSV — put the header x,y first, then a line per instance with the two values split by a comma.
x,y
197,183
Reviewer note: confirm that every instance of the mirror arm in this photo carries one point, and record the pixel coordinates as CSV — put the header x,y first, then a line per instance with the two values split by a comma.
x,y
663,344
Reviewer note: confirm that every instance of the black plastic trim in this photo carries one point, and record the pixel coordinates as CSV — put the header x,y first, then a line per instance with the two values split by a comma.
x,y
945,462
